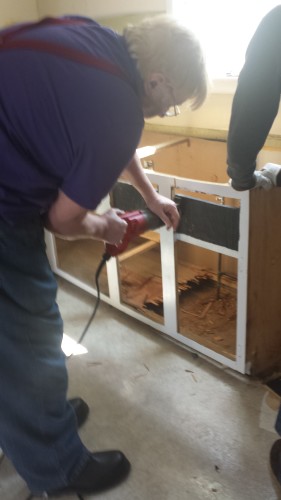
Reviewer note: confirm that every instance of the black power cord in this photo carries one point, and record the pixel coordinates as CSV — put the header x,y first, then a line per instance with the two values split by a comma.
x,y
104,259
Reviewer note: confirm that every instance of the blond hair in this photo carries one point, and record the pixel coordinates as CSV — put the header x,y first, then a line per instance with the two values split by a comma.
x,y
162,44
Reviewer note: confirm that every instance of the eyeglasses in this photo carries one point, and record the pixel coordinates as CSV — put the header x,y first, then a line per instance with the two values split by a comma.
x,y
173,110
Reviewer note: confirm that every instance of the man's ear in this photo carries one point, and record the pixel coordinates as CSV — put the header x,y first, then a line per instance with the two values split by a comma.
x,y
154,84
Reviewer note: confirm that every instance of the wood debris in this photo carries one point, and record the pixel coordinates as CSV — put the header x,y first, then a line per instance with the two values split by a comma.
x,y
203,312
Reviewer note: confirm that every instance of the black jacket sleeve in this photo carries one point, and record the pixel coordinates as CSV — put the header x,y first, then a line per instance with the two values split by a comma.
x,y
256,101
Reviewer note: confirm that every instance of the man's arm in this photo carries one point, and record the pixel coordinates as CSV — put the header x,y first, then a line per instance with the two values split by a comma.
x,y
67,218
256,101
165,208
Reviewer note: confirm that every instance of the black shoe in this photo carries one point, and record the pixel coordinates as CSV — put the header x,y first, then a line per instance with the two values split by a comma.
x,y
102,471
81,410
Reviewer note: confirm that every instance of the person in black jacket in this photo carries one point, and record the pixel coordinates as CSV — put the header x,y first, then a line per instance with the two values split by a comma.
x,y
255,106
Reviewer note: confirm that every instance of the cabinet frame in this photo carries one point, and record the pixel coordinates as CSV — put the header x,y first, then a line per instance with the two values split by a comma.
x,y
166,185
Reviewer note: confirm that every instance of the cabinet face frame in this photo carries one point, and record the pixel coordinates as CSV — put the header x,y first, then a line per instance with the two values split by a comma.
x,y
166,184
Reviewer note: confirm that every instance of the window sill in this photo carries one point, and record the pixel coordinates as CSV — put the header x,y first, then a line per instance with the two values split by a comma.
x,y
223,85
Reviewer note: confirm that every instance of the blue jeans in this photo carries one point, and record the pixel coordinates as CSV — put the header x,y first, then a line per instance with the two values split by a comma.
x,y
38,431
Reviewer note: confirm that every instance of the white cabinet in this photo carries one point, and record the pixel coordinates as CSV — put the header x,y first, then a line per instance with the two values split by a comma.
x,y
68,259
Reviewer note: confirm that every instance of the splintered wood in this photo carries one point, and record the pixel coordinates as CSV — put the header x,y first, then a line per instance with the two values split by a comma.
x,y
208,315
140,292
207,310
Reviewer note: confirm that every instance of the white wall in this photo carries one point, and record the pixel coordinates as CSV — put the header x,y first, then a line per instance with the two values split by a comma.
x,y
13,11
213,114
98,8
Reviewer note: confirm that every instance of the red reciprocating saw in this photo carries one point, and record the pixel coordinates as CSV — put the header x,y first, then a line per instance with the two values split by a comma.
x,y
138,222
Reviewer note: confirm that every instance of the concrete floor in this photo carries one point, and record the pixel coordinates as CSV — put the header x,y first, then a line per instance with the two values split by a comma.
x,y
192,430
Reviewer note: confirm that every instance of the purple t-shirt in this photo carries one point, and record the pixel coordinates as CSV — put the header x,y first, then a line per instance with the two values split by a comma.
x,y
65,125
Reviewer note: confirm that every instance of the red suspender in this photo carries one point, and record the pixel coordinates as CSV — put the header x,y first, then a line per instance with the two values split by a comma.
x,y
7,42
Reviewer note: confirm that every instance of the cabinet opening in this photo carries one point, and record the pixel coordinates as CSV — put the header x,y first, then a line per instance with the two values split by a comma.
x,y
207,298
80,259
140,276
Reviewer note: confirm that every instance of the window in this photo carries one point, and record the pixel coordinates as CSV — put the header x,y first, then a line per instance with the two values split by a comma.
x,y
224,28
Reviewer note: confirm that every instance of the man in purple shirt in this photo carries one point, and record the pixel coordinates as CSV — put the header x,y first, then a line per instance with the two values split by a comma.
x,y
73,97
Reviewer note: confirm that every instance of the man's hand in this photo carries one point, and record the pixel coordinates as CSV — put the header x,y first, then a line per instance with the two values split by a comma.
x,y
70,220
114,228
166,209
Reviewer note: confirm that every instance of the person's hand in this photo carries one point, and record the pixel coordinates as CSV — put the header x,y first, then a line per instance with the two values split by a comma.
x,y
166,209
262,181
266,178
114,228
269,172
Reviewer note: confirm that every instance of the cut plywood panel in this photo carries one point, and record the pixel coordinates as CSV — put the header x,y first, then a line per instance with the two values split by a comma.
x,y
149,138
193,158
